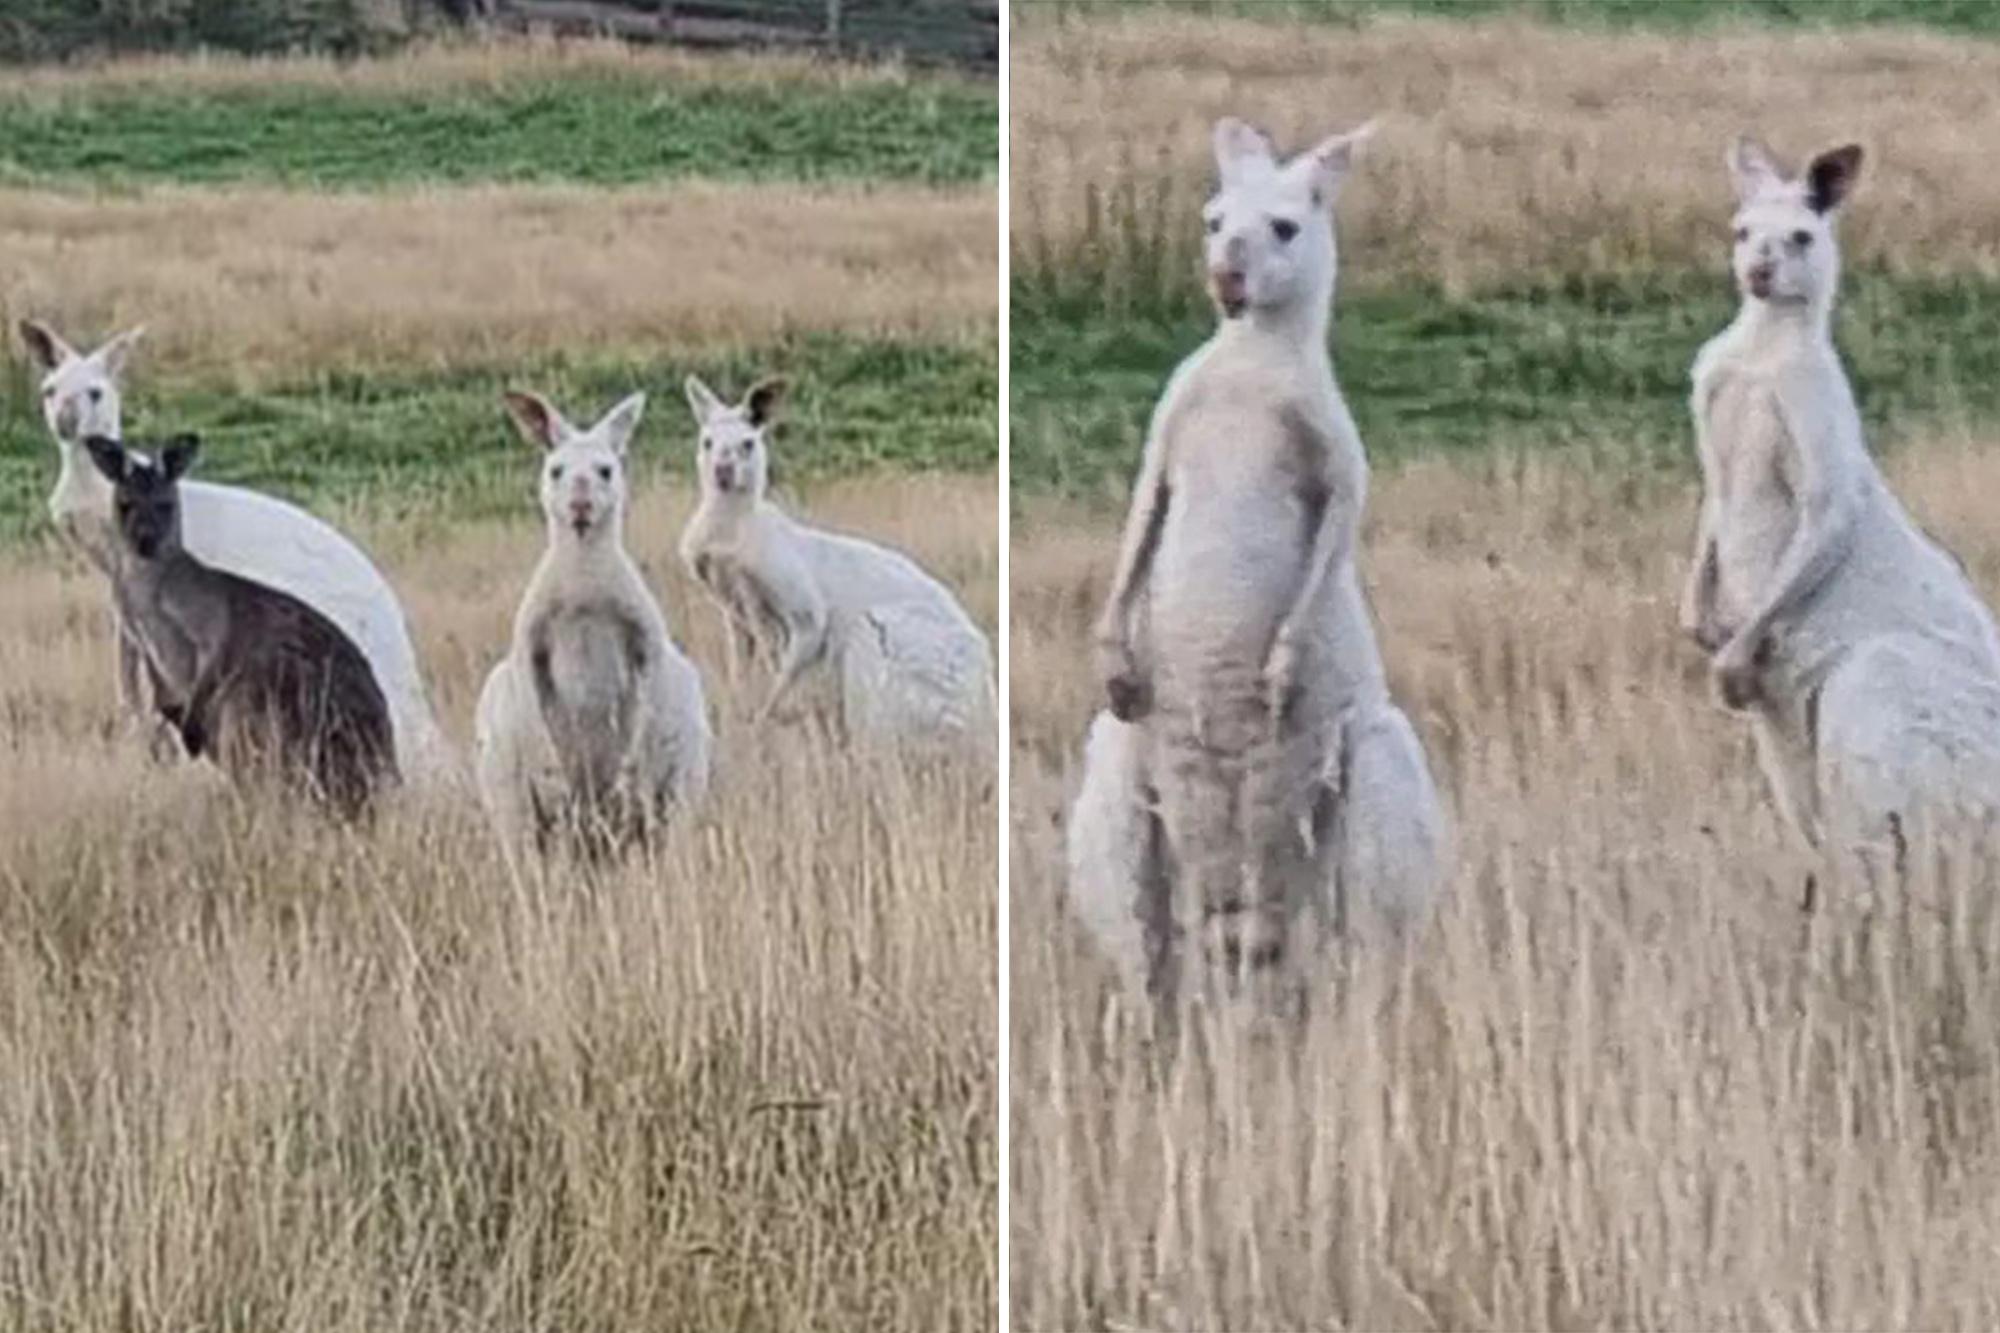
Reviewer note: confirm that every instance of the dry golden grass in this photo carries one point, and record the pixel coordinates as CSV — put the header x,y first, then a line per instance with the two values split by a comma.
x,y
433,66
1510,148
257,283
1622,1082
257,1073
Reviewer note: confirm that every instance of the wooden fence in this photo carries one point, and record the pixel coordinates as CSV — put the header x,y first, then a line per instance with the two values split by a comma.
x,y
960,32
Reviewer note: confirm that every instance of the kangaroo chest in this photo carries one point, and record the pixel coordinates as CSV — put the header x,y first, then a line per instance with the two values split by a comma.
x,y
1755,472
1244,492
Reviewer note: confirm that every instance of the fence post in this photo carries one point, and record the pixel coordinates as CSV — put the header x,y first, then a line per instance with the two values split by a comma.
x,y
833,25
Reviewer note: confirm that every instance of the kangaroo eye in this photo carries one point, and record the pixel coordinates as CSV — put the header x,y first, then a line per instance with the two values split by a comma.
x,y
96,394
705,443
1742,235
555,471
604,472
1802,238
1215,224
49,392
1284,229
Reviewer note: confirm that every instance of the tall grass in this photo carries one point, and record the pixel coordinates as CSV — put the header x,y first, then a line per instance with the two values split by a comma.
x,y
1621,1081
256,1072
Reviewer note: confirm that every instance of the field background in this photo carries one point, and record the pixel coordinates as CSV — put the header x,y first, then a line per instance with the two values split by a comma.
x,y
1621,1082
260,1074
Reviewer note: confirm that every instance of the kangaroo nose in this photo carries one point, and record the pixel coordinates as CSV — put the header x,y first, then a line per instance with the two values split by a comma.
x,y
1231,287
725,475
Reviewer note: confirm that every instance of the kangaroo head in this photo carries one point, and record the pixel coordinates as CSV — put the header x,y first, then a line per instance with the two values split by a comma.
x,y
583,487
733,456
80,395
145,492
1270,223
1784,250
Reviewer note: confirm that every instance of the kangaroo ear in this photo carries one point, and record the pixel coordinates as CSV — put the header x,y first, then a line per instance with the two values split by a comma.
x,y
1753,168
761,403
45,344
1238,144
1332,158
701,399
179,456
115,352
1830,178
619,423
108,455
536,418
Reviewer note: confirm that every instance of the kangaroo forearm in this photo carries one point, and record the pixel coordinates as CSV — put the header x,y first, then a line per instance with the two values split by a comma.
x,y
1333,546
1816,550
1136,559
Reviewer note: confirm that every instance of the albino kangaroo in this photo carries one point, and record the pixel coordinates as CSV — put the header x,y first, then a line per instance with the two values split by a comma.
x,y
1867,663
251,676
236,530
594,722
909,662
1237,648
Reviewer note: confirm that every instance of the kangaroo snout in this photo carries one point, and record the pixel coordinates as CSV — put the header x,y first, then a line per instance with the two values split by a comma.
x,y
1231,287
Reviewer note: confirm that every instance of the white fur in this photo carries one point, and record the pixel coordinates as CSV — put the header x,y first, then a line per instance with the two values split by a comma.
x,y
662,756
239,531
1237,640
903,659
1868,665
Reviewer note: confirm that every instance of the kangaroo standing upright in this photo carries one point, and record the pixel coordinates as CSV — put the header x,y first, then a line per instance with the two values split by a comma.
x,y
1868,666
593,725
1237,648
250,676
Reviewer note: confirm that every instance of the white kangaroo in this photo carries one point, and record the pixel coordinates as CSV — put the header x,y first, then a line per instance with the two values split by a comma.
x,y
237,531
1237,647
594,725
1867,664
909,663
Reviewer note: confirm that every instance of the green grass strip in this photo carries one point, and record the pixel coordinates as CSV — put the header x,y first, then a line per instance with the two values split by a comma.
x,y
440,445
599,130
1585,362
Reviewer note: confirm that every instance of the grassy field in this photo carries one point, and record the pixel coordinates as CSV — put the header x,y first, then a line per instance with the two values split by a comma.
x,y
594,122
1512,266
1621,1084
1622,1081
439,446
260,1073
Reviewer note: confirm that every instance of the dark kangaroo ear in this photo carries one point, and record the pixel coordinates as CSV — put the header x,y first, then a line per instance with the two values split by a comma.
x,y
109,455
1830,178
761,403
179,455
45,344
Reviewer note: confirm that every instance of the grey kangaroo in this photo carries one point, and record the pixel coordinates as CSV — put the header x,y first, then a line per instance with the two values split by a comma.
x,y
249,676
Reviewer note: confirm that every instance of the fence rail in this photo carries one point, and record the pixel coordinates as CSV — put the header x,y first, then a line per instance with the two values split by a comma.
x,y
964,32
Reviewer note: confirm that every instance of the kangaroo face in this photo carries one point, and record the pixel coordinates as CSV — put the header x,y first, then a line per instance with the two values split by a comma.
x,y
1269,226
582,482
79,393
732,453
583,486
145,494
1783,250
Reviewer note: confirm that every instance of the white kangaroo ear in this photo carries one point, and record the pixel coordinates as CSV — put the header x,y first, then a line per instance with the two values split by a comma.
x,y
536,418
114,353
1239,144
1331,159
1830,178
618,424
1753,168
701,399
45,344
